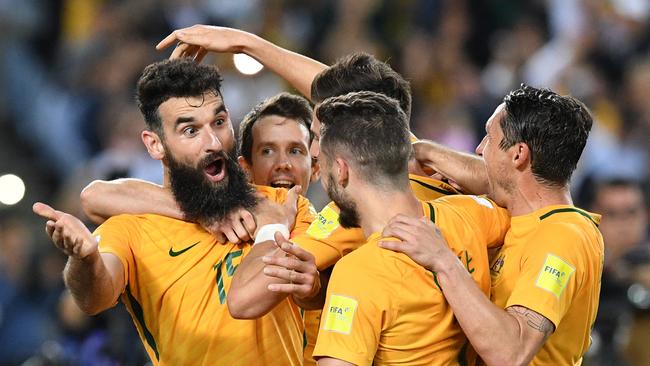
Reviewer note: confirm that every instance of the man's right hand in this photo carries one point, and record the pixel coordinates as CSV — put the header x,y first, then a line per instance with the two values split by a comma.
x,y
67,232
196,41
238,227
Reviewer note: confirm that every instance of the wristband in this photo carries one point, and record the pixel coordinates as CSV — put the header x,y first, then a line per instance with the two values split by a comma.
x,y
267,232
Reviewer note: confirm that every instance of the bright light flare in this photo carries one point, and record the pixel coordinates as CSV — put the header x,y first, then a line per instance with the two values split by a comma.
x,y
246,64
12,189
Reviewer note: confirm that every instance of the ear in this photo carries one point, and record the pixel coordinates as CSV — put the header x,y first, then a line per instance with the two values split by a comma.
x,y
343,170
246,166
315,170
154,145
520,155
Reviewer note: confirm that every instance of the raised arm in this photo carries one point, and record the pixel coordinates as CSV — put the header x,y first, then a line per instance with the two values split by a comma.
x,y
252,292
197,40
94,279
465,169
103,199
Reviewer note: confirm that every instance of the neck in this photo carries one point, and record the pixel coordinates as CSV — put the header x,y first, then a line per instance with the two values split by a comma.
x,y
375,213
529,195
166,179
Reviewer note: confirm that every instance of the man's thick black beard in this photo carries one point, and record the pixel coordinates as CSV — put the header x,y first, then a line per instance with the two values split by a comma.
x,y
204,201
348,214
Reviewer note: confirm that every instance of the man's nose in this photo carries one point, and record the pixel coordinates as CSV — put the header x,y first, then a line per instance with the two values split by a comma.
x,y
213,143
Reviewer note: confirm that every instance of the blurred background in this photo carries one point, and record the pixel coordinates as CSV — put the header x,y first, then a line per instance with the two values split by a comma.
x,y
67,116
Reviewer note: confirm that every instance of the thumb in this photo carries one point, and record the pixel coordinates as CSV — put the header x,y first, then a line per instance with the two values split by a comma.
x,y
45,211
292,197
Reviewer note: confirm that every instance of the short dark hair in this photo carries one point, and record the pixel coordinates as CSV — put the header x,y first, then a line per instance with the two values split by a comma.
x,y
283,105
554,127
173,79
358,72
371,130
623,183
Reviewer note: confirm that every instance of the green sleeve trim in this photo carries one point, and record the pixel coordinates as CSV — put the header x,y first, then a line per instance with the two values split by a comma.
x,y
433,188
139,315
568,209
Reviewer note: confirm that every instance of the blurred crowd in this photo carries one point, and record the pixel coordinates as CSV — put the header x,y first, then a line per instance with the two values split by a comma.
x,y
67,116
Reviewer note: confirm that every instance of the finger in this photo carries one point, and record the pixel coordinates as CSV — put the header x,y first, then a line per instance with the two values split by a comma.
x,y
401,218
289,264
179,51
288,288
280,239
171,39
240,231
46,211
288,275
292,197
221,239
249,222
191,51
49,228
396,246
295,250
399,233
232,237
200,54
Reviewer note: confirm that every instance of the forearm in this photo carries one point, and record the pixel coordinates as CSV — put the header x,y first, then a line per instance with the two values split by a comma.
x,y
90,283
467,170
249,296
494,334
103,199
296,69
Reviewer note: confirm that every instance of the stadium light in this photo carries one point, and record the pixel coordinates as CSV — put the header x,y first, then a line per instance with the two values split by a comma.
x,y
246,64
12,189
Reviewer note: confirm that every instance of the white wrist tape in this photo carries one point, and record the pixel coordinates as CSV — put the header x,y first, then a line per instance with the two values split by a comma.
x,y
267,232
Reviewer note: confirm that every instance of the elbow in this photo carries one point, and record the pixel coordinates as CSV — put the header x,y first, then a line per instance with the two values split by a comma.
x,y
89,197
513,358
240,308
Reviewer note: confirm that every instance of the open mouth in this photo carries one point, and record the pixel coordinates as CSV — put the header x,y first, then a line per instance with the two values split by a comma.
x,y
283,182
215,170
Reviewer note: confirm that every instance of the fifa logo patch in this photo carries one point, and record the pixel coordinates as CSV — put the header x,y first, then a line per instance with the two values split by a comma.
x,y
554,275
325,223
340,314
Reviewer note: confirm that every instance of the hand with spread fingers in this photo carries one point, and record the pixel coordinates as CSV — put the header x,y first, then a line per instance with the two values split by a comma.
x,y
236,228
294,265
196,41
67,232
420,239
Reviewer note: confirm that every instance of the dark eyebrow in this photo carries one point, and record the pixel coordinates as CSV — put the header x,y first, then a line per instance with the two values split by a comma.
x,y
219,109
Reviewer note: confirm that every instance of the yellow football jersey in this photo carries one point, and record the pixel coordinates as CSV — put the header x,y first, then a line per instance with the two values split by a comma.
x,y
551,262
329,242
177,279
382,308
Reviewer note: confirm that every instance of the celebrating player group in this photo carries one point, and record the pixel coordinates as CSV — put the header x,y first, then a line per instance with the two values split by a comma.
x,y
425,256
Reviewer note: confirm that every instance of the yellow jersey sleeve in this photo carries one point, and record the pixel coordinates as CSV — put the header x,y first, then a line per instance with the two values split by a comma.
x,y
552,273
481,213
354,314
327,240
304,216
117,236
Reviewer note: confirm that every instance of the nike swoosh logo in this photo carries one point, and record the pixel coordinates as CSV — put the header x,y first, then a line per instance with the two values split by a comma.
x,y
172,253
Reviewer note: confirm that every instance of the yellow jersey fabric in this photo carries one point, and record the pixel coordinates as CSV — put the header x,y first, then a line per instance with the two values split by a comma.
x,y
382,308
329,242
177,280
551,262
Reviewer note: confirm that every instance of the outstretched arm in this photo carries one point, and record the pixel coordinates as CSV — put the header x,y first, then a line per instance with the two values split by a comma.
x,y
103,199
465,169
95,279
197,40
